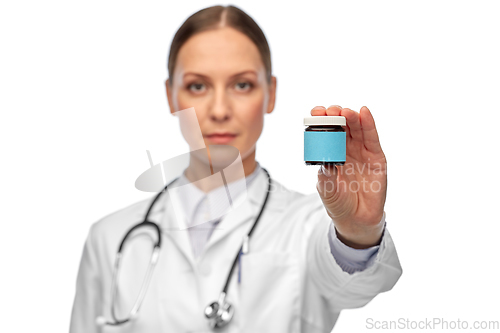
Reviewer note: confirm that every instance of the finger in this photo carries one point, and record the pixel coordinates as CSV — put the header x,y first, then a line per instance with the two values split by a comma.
x,y
333,110
318,111
327,181
370,135
347,132
354,124
328,171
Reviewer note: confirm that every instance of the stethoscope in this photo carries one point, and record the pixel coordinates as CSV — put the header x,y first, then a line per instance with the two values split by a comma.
x,y
219,313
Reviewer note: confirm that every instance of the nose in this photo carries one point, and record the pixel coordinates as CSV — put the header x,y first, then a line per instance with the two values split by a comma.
x,y
220,110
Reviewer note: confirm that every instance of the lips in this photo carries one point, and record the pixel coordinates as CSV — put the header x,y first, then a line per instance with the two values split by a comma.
x,y
221,138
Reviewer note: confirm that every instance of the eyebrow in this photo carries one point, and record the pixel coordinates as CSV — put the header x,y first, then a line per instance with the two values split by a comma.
x,y
234,75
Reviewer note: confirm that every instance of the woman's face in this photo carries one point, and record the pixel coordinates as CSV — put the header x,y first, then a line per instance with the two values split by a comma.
x,y
221,74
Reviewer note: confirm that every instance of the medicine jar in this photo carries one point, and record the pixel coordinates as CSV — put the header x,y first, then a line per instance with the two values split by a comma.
x,y
324,140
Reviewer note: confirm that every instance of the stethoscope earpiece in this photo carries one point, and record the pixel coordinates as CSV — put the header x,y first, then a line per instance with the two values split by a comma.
x,y
100,321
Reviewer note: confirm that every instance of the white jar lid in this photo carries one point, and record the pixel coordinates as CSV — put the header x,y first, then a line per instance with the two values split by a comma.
x,y
324,120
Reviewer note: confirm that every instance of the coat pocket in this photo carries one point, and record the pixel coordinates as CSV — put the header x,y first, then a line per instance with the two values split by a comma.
x,y
269,292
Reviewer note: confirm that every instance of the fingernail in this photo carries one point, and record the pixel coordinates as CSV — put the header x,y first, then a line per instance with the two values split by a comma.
x,y
318,108
336,106
325,171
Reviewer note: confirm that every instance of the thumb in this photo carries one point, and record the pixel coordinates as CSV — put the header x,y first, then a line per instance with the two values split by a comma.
x,y
327,181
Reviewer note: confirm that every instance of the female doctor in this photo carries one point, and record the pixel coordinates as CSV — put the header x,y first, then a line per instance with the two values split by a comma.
x,y
280,261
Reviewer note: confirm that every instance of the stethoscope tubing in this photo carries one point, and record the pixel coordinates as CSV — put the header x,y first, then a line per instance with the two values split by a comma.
x,y
154,259
247,239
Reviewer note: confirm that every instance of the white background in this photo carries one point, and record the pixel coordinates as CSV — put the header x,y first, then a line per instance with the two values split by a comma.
x,y
82,99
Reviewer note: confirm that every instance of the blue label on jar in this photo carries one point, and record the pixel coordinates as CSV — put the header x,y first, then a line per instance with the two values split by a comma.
x,y
324,146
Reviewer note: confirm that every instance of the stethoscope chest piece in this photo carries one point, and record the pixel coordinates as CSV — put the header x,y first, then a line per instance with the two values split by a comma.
x,y
219,313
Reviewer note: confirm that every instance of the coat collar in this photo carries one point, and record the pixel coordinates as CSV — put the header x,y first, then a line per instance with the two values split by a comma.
x,y
245,209
187,196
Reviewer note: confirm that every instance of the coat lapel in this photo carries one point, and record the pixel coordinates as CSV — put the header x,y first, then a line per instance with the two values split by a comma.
x,y
248,208
164,216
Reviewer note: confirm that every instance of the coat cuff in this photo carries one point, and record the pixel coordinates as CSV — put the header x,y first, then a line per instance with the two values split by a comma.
x,y
349,259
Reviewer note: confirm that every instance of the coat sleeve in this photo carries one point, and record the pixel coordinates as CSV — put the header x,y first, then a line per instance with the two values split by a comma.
x,y
339,289
349,259
87,304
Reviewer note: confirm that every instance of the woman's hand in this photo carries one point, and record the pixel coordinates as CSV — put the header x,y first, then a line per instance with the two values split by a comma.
x,y
354,194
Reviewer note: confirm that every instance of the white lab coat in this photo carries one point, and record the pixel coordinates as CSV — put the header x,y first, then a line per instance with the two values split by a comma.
x,y
290,281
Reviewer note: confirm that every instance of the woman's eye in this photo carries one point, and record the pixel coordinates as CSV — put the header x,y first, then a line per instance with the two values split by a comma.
x,y
196,87
243,85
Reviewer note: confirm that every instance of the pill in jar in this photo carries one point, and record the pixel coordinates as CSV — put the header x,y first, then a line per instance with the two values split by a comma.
x,y
324,140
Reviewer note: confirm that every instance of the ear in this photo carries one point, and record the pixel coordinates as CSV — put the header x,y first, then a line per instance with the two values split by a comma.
x,y
169,97
272,94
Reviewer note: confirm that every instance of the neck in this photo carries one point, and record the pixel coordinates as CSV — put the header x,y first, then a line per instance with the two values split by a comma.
x,y
200,168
